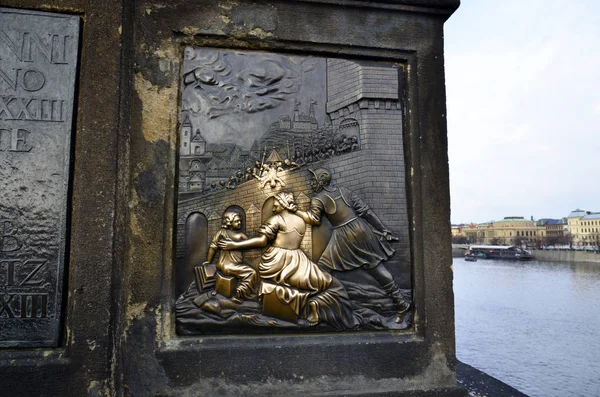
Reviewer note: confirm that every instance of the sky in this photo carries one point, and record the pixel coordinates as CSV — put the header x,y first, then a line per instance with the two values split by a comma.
x,y
523,105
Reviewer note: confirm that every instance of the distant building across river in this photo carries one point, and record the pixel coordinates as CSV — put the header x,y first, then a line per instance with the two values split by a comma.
x,y
579,229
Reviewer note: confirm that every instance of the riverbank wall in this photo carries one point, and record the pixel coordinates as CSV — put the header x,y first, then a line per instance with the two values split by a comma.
x,y
566,256
458,251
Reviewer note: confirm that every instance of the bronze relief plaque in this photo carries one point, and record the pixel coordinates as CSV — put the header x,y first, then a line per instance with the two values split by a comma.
x,y
291,211
38,66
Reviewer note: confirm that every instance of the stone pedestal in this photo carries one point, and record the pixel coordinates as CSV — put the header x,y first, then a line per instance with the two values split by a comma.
x,y
125,223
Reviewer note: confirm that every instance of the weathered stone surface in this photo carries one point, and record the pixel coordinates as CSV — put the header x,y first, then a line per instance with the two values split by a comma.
x,y
402,361
119,332
38,66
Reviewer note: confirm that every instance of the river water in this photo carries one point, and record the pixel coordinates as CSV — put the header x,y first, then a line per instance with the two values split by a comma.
x,y
534,325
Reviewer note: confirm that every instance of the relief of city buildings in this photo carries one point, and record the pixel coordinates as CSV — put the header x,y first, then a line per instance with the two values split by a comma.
x,y
289,143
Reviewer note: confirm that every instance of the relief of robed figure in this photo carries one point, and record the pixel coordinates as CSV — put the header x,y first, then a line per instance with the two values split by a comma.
x,y
286,270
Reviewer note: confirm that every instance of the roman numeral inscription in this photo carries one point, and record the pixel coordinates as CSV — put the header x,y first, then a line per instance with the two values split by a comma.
x,y
23,306
38,70
34,109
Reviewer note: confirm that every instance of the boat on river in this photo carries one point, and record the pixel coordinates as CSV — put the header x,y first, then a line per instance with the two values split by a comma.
x,y
505,252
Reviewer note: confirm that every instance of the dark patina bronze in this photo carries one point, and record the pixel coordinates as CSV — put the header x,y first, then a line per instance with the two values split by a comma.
x,y
38,67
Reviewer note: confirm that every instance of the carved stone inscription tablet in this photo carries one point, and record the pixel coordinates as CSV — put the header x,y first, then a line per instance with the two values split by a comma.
x,y
292,212
38,65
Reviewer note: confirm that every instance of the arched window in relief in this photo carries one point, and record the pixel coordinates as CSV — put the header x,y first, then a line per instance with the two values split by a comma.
x,y
267,209
196,250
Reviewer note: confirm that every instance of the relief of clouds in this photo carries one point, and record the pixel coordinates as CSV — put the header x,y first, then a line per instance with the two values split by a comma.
x,y
220,82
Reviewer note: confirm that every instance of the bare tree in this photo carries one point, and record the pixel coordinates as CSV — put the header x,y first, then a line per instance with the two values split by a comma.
x,y
460,240
496,241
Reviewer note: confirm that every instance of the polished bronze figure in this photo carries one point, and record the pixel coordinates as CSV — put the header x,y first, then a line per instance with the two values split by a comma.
x,y
230,263
353,244
290,275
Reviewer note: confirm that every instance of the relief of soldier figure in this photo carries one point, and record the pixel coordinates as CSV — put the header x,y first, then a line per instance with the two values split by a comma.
x,y
353,244
286,289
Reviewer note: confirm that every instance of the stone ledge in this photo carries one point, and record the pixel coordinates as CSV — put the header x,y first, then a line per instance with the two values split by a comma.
x,y
480,384
441,5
